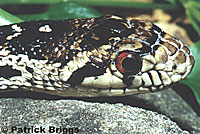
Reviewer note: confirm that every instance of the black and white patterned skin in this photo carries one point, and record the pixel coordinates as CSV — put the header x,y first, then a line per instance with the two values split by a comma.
x,y
105,56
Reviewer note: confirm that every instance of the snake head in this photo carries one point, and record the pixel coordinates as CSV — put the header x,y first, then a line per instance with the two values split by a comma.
x,y
149,59
139,58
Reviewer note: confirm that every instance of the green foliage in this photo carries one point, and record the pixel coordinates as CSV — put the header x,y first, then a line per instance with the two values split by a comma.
x,y
121,3
6,18
60,11
40,16
29,1
71,10
126,3
192,9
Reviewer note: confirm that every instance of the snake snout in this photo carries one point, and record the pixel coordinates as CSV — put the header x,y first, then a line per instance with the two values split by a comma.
x,y
179,60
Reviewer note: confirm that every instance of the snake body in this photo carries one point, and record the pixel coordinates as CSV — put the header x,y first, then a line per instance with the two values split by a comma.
x,y
104,56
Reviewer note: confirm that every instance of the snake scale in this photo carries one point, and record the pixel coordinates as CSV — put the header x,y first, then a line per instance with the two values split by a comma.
x,y
103,56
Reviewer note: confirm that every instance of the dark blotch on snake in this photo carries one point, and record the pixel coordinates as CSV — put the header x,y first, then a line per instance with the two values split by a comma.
x,y
30,70
88,70
128,81
109,28
156,28
8,72
153,38
151,78
160,77
154,49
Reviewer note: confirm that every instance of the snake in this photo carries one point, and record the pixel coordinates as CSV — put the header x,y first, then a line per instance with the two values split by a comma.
x,y
91,57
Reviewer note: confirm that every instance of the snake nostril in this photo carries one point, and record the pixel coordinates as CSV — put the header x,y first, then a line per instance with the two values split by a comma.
x,y
174,67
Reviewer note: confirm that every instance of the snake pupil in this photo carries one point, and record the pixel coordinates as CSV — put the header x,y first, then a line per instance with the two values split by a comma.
x,y
129,64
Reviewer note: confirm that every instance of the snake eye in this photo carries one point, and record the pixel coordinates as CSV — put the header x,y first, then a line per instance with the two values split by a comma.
x,y
128,63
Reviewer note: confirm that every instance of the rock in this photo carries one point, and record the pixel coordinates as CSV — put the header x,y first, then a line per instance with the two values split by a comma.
x,y
169,103
166,102
19,114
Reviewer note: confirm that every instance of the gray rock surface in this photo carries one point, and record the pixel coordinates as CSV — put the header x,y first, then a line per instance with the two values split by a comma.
x,y
166,102
40,115
169,103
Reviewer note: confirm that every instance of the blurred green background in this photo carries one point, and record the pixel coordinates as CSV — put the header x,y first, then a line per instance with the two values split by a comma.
x,y
13,11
